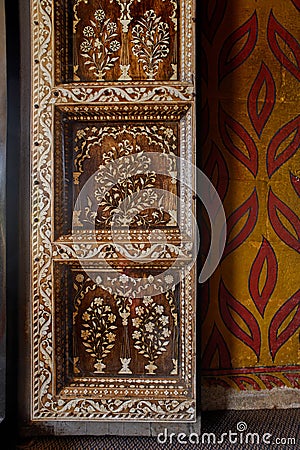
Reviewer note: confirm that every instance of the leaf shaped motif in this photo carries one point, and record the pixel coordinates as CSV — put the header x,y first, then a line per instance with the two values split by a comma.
x,y
275,205
278,338
243,382
270,381
294,379
275,160
216,343
266,255
227,304
296,183
227,122
275,29
211,21
249,207
228,63
259,119
216,163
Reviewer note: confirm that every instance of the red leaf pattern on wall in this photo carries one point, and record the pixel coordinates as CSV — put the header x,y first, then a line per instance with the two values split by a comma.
x,y
249,208
294,379
216,165
270,381
275,205
259,116
276,337
227,303
243,381
295,183
249,68
227,62
275,159
275,29
216,343
212,14
227,122
265,255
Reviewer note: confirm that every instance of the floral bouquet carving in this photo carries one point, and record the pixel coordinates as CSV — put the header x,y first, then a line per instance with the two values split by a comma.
x,y
151,42
152,332
98,331
100,45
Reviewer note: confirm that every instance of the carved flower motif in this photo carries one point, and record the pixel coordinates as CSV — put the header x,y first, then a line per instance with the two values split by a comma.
x,y
111,27
98,301
123,279
164,320
99,15
111,337
88,31
80,134
139,310
97,43
111,318
149,327
166,333
79,278
114,45
85,46
148,300
86,316
169,279
159,309
85,334
136,335
169,132
136,322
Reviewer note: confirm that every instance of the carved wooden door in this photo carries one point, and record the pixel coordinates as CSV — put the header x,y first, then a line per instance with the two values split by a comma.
x,y
112,236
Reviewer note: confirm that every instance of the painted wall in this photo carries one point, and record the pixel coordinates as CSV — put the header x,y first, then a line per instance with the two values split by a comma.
x,y
250,136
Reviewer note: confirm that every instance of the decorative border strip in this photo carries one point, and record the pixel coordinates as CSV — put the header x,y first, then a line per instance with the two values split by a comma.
x,y
79,94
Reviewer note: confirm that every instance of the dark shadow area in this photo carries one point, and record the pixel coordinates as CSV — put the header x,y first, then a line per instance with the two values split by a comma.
x,y
8,428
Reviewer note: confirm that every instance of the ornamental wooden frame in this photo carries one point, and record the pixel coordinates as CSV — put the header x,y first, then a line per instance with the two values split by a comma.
x,y
116,399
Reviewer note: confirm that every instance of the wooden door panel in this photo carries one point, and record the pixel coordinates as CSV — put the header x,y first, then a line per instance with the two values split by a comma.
x,y
112,236
119,40
89,137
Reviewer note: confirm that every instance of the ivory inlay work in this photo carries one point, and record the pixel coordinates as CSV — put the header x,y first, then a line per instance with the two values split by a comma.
x,y
113,280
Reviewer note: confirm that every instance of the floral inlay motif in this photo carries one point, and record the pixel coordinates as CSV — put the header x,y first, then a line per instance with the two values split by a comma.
x,y
100,44
119,203
98,334
151,42
152,331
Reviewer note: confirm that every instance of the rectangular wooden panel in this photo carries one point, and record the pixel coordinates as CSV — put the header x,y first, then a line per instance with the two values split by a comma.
x,y
112,237
119,40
